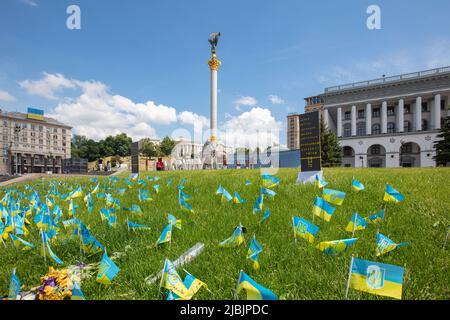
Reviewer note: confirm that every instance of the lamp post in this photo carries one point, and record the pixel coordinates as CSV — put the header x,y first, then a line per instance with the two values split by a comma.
x,y
17,130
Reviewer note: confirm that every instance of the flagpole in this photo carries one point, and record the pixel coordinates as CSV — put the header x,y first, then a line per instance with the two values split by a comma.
x,y
128,225
446,237
237,284
293,228
43,245
354,226
349,276
162,276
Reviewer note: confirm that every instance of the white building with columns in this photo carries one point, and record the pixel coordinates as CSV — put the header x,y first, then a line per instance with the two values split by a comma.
x,y
389,122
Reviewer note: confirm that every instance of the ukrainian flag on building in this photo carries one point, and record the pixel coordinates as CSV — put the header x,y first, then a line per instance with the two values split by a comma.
x,y
377,278
334,196
385,245
166,235
392,195
304,229
323,209
337,246
235,240
253,252
35,114
172,281
357,186
356,223
107,270
254,290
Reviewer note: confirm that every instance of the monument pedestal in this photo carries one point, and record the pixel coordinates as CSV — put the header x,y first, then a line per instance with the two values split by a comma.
x,y
308,177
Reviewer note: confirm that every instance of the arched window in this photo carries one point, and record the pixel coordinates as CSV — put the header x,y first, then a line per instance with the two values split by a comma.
x,y
424,125
347,130
407,126
348,151
361,129
391,127
376,129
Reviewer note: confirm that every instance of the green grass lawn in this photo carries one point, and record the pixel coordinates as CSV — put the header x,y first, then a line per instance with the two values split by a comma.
x,y
293,270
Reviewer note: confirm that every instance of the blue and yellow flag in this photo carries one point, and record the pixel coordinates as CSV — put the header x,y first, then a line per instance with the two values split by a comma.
x,y
136,209
268,192
135,226
185,206
35,114
392,195
377,278
320,182
237,198
304,229
14,286
385,245
89,244
258,206
192,284
269,181
172,281
253,252
265,216
107,270
254,290
356,223
376,218
335,247
18,242
248,182
235,240
174,221
77,294
225,194
334,196
323,209
46,250
357,186
166,235
144,196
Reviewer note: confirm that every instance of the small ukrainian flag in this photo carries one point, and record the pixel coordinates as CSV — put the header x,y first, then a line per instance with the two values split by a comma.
x,y
357,186
334,196
385,245
269,181
304,229
174,221
320,183
377,278
235,240
323,209
265,216
253,252
258,206
375,218
171,280
107,270
14,286
356,223
254,290
335,247
268,192
237,198
18,242
77,294
135,226
392,195
166,235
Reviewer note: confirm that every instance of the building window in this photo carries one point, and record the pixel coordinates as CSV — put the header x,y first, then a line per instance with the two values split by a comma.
x,y
424,106
376,113
361,114
391,111
424,125
347,130
407,109
407,126
443,105
376,129
41,128
348,152
361,129
64,131
375,150
391,127
406,148
347,115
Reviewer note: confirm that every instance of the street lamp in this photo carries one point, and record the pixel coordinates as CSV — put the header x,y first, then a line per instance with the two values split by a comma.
x,y
17,130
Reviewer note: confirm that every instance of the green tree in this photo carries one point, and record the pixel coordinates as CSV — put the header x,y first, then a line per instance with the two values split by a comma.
x,y
166,146
149,149
442,146
331,151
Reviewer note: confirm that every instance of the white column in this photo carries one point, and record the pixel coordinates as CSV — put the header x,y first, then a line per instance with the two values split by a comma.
x,y
418,114
384,117
400,115
213,104
369,119
353,121
339,122
437,112
325,118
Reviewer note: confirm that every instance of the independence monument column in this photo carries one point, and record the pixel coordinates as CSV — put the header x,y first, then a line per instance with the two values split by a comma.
x,y
214,67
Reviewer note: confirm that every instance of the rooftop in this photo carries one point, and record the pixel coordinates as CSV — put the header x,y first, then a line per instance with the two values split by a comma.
x,y
24,116
392,79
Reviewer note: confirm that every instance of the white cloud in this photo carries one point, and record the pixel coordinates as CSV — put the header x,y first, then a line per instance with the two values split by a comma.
x,y
188,117
245,101
97,113
32,3
252,128
48,85
274,99
5,96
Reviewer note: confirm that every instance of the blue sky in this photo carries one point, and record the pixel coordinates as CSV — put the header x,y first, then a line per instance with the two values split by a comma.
x,y
140,66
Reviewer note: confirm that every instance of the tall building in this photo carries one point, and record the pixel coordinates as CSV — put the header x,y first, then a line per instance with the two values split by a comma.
x,y
293,131
32,143
314,103
391,121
